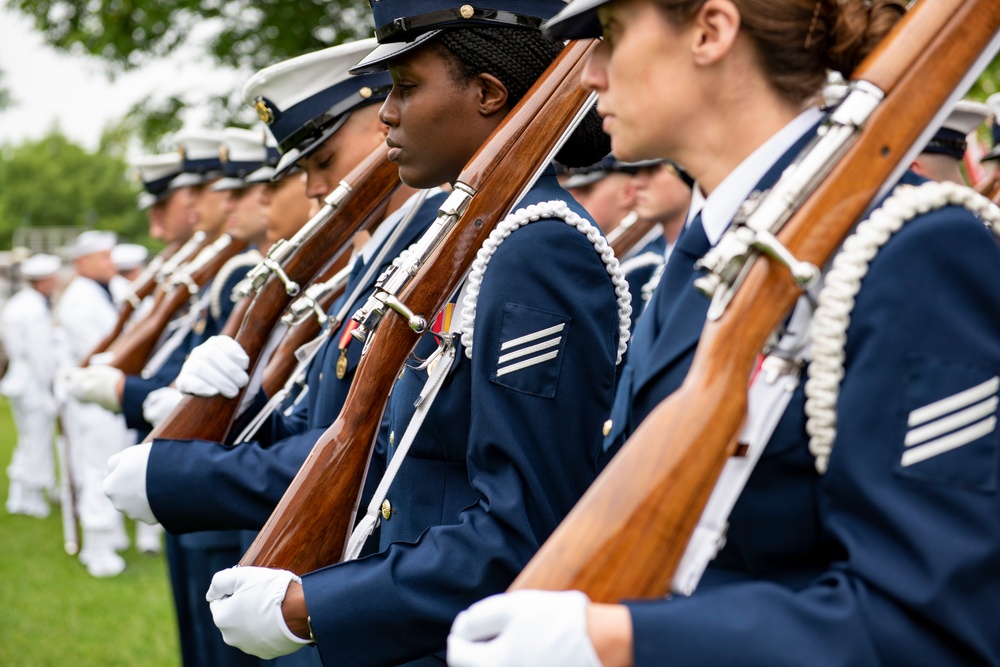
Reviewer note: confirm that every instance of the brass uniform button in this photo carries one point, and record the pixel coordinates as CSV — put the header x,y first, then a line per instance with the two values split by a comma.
x,y
392,438
607,427
386,509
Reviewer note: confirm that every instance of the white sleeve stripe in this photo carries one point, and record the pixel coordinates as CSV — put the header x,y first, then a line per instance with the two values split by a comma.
x,y
527,362
951,422
954,402
552,342
948,443
533,336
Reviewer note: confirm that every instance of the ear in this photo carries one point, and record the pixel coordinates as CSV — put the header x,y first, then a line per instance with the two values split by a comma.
x,y
492,94
716,27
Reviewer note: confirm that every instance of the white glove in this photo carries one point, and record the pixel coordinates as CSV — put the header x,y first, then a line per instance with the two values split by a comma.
x,y
125,482
523,629
246,606
94,384
217,366
160,403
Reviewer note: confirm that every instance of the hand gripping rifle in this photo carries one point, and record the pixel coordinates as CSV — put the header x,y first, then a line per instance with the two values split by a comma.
x,y
358,202
311,524
139,289
130,352
627,534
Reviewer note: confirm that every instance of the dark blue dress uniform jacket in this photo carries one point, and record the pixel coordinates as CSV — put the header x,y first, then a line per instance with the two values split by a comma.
x,y
876,562
198,485
500,459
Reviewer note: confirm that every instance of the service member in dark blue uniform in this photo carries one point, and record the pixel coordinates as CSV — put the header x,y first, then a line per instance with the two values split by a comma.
x,y
212,486
496,463
326,121
884,550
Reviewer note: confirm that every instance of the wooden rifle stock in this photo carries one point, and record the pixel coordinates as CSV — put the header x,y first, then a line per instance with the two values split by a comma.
x,y
138,290
283,361
131,355
627,534
312,522
176,262
629,232
372,184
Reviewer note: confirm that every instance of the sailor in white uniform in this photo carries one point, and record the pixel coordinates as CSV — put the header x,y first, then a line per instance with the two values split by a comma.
x,y
28,338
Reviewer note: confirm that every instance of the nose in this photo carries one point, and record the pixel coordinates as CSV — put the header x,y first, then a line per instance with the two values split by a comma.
x,y
388,114
315,189
595,73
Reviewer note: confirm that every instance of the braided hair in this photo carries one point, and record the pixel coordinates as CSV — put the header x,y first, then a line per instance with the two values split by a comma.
x,y
517,57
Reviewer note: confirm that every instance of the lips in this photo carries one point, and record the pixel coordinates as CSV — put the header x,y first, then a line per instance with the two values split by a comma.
x,y
394,149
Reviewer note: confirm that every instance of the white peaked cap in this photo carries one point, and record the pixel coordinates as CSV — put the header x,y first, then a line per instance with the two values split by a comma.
x,y
966,116
291,81
90,242
40,266
243,145
127,256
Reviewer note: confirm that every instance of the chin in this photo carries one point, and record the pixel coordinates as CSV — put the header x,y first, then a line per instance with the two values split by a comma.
x,y
414,178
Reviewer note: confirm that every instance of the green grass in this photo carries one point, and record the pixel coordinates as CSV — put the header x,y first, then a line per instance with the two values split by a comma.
x,y
53,613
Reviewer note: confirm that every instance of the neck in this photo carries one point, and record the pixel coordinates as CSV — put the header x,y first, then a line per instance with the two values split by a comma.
x,y
741,112
399,198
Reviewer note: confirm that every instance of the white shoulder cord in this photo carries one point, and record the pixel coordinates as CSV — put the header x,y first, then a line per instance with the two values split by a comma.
x,y
248,258
521,217
447,351
843,281
642,261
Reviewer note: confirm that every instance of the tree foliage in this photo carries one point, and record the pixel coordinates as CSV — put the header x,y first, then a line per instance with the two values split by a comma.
x,y
53,182
6,101
248,34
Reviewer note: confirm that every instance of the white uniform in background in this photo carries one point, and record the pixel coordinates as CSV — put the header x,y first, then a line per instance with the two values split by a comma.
x,y
29,337
86,314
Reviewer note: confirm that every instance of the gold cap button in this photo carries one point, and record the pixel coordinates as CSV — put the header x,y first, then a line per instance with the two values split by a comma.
x,y
607,427
386,509
365,92
467,11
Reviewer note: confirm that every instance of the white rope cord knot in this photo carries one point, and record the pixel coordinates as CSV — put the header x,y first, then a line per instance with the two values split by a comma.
x,y
520,218
843,280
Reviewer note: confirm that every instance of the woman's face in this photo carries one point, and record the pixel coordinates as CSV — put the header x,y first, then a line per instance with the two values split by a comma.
x,y
436,124
644,84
